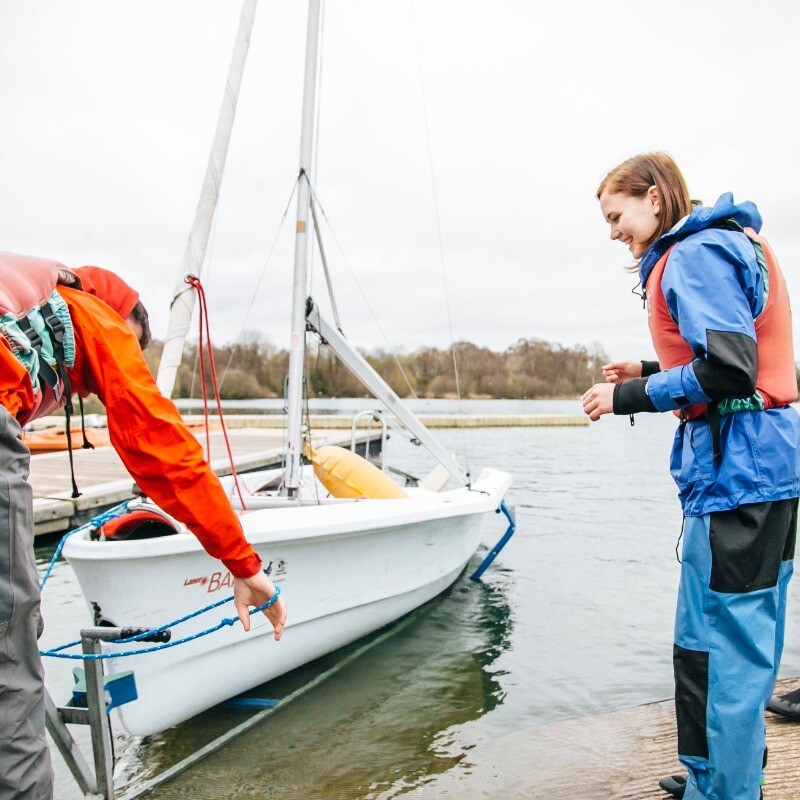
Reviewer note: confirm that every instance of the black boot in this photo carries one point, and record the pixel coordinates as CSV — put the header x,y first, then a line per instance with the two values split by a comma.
x,y
674,785
787,705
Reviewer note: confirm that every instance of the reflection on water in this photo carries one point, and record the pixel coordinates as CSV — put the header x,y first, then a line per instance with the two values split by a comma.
x,y
381,722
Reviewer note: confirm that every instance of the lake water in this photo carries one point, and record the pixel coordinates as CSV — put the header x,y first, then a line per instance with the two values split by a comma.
x,y
573,619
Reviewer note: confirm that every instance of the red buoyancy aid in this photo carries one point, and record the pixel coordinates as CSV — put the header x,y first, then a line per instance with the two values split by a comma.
x,y
26,284
776,381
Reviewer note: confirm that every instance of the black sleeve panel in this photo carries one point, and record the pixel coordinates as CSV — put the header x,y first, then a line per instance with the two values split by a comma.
x,y
650,368
630,397
730,366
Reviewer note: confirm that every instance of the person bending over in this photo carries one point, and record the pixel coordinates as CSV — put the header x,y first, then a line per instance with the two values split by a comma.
x,y
55,339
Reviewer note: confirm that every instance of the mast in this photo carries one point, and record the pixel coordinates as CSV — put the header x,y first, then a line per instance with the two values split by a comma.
x,y
297,346
183,298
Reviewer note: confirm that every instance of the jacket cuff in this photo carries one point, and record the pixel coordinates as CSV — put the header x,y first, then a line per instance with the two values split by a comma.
x,y
244,567
630,397
650,368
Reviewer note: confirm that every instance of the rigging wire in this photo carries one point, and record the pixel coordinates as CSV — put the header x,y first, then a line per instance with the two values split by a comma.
x,y
439,227
363,294
306,411
255,291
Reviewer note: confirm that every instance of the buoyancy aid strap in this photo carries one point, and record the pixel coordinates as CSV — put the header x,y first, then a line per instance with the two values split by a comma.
x,y
45,371
87,445
55,327
714,426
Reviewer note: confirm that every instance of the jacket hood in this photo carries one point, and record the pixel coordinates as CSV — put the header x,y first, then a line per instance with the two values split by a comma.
x,y
703,217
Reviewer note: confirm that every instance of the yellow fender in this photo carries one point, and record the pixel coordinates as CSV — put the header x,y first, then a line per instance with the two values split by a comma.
x,y
346,474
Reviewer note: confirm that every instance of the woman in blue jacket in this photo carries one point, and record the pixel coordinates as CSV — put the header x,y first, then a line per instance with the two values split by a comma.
x,y
719,317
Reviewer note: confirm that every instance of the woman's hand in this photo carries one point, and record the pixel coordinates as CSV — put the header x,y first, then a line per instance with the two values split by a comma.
x,y
618,371
599,400
255,591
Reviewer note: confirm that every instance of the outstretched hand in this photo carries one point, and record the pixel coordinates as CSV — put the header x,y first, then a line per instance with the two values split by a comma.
x,y
255,591
618,371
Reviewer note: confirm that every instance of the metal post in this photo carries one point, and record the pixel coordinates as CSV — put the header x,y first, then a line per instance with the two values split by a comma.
x,y
325,269
68,748
183,299
98,719
294,449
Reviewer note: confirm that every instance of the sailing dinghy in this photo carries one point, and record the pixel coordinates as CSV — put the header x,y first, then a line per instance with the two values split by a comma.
x,y
347,565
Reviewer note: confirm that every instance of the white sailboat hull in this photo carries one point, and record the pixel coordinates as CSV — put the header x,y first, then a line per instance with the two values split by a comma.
x,y
346,568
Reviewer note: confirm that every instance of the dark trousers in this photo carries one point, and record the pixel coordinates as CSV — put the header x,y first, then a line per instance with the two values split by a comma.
x,y
25,772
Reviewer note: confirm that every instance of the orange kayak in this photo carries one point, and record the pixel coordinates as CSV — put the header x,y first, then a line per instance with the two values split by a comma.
x,y
52,440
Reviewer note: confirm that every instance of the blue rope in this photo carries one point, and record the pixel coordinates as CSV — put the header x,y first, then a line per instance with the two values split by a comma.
x,y
153,631
94,524
492,554
225,621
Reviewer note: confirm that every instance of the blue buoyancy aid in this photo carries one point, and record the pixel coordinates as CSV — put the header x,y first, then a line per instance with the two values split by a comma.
x,y
713,285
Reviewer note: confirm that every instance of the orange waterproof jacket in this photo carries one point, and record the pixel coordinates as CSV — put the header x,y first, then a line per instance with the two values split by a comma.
x,y
16,389
145,428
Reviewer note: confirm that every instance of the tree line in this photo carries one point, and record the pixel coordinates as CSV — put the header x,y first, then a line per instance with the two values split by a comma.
x,y
530,368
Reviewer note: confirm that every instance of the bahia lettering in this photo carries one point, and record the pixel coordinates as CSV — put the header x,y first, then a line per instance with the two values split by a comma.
x,y
224,580
219,581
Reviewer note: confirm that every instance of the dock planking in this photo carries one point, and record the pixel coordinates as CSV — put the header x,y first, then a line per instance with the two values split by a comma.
x,y
615,756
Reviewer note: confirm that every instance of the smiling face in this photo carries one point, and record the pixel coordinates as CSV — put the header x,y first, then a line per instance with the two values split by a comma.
x,y
633,220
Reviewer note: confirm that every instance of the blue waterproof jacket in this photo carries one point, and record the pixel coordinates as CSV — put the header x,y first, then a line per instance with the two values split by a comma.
x,y
714,289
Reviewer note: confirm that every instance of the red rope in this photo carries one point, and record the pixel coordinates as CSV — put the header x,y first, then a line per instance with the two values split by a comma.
x,y
205,336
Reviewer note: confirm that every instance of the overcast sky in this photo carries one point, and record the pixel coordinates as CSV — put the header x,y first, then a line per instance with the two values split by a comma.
x,y
108,110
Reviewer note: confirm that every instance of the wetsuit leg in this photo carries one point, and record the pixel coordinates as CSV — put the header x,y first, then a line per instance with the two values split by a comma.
x,y
728,641
25,772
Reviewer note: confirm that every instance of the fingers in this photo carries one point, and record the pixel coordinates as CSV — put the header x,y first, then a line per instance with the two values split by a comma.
x,y
276,614
243,612
590,404
615,372
592,412
256,591
597,401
